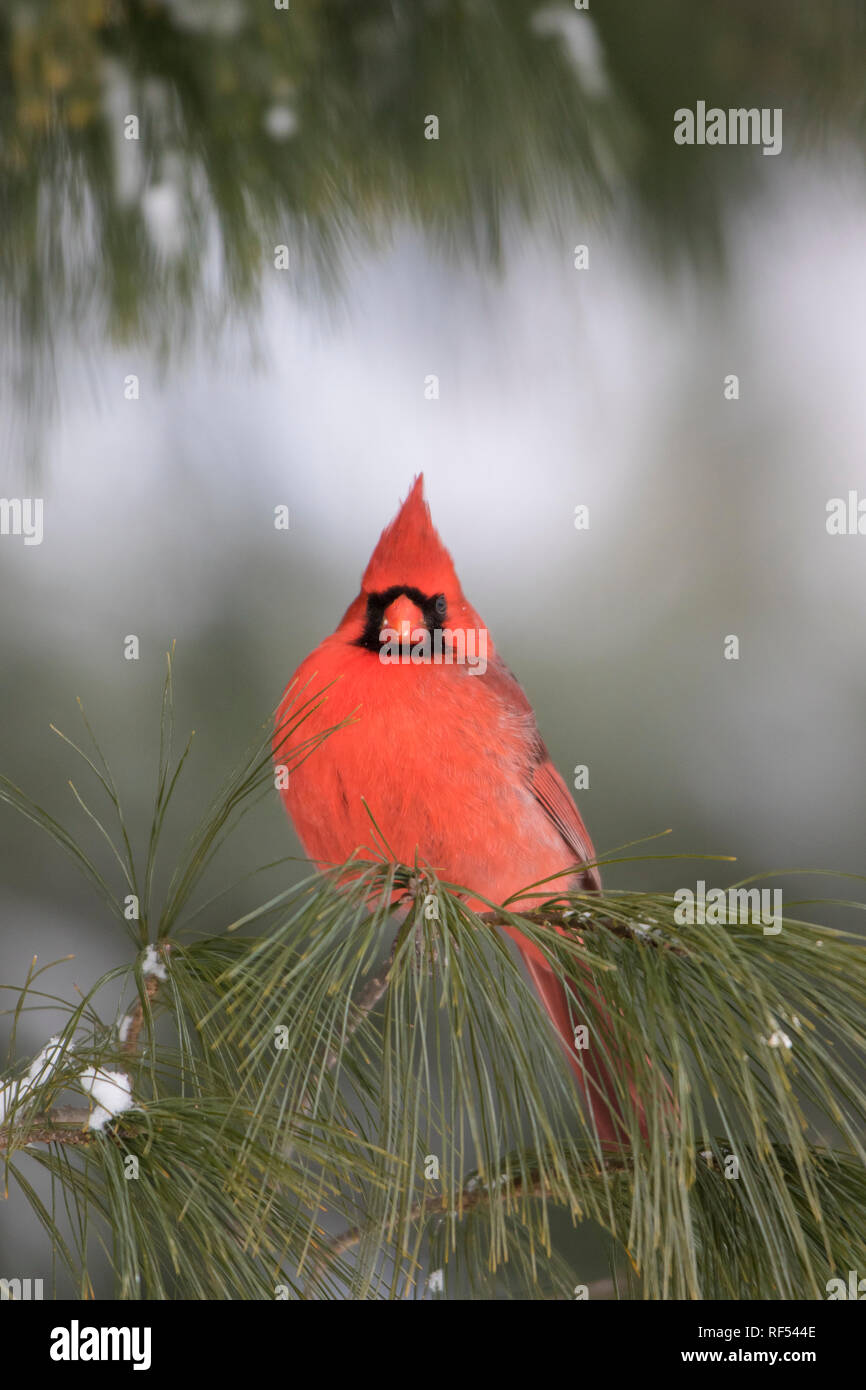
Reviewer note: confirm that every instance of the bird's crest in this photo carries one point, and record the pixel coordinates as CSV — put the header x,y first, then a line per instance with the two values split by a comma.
x,y
410,551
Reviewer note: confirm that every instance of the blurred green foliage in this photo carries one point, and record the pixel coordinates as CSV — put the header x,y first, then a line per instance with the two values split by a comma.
x,y
305,126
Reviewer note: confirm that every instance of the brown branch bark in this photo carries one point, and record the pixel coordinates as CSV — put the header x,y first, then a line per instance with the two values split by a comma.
x,y
136,1016
65,1124
48,1129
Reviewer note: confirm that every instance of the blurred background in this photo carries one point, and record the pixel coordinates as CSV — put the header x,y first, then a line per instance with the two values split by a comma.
x,y
154,258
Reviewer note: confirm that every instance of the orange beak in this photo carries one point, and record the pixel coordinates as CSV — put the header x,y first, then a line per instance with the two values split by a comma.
x,y
405,618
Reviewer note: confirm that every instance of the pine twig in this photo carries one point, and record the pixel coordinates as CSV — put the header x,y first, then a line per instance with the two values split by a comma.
x,y
69,1124
472,1194
65,1124
363,1005
136,1017
584,924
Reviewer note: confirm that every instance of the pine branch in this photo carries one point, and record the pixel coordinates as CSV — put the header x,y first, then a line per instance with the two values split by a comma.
x,y
136,1016
64,1124
70,1124
587,921
472,1195
367,1000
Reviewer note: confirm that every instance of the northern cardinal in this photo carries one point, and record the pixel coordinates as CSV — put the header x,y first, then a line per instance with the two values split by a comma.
x,y
448,758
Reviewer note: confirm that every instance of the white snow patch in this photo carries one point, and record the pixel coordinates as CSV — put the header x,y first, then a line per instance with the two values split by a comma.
x,y
112,1092
152,965
38,1073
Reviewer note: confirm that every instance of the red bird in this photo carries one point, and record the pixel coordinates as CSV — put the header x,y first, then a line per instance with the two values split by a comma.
x,y
449,760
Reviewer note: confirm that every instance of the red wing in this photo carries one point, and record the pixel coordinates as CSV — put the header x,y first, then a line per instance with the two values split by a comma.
x,y
545,782
552,795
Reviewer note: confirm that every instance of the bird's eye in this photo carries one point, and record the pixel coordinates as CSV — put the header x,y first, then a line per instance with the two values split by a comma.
x,y
440,605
